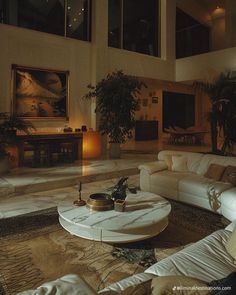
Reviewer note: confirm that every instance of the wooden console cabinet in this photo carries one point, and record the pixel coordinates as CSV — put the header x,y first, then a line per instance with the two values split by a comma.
x,y
146,130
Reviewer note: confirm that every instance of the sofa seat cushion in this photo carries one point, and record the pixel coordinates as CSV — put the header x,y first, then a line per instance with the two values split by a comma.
x,y
166,182
205,260
202,187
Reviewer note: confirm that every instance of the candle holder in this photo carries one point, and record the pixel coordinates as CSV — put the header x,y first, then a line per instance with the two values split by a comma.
x,y
79,202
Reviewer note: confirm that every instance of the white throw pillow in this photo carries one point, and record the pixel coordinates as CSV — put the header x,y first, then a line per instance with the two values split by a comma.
x,y
179,164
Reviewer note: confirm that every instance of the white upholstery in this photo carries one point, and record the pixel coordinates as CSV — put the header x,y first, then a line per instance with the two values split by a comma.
x,y
165,183
153,167
70,284
209,159
193,159
206,260
127,282
228,201
192,187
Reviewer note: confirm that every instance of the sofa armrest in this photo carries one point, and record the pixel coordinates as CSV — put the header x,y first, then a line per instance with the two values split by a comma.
x,y
153,167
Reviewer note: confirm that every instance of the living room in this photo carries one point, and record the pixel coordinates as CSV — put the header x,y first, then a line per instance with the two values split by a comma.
x,y
50,52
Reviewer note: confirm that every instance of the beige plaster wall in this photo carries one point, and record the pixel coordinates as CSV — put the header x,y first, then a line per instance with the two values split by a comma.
x,y
36,49
153,111
87,62
205,66
195,9
141,65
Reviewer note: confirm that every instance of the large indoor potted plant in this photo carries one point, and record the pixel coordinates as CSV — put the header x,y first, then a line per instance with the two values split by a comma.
x,y
9,125
116,104
222,116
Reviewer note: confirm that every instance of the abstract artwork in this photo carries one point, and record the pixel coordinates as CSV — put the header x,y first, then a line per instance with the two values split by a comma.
x,y
40,93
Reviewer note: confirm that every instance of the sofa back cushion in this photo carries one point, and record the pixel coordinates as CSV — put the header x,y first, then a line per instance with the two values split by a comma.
x,y
209,159
193,159
215,171
179,164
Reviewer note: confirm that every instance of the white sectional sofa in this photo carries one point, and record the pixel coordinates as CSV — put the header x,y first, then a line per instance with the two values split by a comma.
x,y
188,184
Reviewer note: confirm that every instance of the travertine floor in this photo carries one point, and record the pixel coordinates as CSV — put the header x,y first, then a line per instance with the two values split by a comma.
x,y
27,190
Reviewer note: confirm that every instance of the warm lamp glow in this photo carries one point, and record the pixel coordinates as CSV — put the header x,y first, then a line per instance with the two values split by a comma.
x,y
91,145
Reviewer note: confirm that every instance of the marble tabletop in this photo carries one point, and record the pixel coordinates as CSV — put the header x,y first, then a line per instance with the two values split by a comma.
x,y
143,211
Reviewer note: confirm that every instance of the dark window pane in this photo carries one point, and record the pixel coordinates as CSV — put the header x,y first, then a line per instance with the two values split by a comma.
x,y
49,16
178,110
45,16
78,19
140,26
192,37
114,20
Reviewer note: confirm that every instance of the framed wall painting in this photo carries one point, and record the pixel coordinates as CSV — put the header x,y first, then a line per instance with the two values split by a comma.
x,y
40,93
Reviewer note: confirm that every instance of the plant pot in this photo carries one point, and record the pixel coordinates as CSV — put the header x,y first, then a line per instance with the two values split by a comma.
x,y
114,150
4,165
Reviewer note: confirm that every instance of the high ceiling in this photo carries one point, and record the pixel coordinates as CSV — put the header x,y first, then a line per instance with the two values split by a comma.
x,y
211,5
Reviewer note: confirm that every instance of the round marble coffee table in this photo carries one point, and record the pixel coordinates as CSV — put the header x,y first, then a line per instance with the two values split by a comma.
x,y
145,216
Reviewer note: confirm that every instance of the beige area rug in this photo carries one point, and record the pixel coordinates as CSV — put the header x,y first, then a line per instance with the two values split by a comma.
x,y
42,251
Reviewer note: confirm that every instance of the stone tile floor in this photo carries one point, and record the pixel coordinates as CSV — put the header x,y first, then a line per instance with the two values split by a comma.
x,y
28,190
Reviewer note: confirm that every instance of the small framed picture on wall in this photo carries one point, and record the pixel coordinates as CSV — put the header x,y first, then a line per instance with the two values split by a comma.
x,y
154,99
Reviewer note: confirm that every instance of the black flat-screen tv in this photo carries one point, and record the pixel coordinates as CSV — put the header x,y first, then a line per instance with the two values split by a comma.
x,y
178,110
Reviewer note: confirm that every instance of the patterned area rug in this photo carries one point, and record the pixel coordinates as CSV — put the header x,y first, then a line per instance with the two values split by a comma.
x,y
39,250
187,224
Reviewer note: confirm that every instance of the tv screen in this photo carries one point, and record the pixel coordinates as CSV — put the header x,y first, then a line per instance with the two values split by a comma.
x,y
178,110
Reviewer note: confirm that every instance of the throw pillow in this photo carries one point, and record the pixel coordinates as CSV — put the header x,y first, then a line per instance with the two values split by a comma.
x,y
180,285
168,161
179,164
230,245
215,171
226,176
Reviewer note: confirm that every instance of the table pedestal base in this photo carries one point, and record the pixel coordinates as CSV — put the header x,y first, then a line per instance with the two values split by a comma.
x,y
101,235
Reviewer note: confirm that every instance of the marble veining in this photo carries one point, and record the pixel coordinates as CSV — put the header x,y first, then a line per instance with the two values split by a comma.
x,y
30,180
139,220
37,201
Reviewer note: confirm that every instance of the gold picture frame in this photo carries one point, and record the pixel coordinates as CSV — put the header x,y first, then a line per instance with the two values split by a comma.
x,y
40,93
